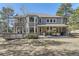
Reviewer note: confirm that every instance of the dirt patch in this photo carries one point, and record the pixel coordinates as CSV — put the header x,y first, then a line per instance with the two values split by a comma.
x,y
35,47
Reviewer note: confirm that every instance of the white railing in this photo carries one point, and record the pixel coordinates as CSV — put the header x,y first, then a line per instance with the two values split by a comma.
x,y
13,36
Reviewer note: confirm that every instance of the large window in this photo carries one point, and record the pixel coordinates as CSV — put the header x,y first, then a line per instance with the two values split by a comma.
x,y
31,29
47,20
47,28
31,19
54,20
39,20
51,20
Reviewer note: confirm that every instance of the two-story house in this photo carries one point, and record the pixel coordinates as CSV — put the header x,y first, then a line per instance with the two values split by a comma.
x,y
40,23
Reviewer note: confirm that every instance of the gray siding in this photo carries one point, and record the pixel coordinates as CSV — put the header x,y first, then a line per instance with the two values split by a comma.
x,y
57,21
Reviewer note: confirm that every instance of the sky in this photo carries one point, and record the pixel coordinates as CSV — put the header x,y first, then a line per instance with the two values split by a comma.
x,y
45,8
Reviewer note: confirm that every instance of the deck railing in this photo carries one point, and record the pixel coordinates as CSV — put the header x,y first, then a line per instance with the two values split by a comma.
x,y
12,36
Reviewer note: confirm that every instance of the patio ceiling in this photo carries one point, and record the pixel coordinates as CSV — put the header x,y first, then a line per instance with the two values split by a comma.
x,y
53,25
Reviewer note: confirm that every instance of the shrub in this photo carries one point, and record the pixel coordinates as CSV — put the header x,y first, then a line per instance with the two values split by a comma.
x,y
49,33
32,36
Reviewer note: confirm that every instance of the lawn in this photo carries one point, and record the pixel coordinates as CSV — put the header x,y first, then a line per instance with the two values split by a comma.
x,y
40,47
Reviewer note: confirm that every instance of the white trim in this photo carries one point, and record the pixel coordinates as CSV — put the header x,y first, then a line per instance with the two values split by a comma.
x,y
57,25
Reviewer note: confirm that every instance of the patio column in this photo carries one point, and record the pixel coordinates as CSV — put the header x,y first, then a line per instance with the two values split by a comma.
x,y
58,29
34,24
15,30
61,29
37,30
49,28
22,29
34,29
28,27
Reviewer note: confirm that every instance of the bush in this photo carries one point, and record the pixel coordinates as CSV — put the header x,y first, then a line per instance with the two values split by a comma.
x,y
32,36
49,33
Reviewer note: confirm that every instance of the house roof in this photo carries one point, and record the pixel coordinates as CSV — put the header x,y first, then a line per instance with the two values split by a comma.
x,y
43,15
55,25
39,15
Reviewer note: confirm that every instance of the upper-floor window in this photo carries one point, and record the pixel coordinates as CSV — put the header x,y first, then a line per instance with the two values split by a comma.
x,y
64,20
39,20
51,20
54,20
47,20
31,19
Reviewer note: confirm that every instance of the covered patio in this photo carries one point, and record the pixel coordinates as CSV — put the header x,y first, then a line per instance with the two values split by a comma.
x,y
55,29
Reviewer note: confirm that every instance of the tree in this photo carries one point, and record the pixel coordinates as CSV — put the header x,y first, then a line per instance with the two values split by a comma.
x,y
65,9
74,20
7,12
2,23
24,9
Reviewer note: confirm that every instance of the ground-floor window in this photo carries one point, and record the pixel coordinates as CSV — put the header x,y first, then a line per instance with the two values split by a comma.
x,y
50,28
19,30
47,28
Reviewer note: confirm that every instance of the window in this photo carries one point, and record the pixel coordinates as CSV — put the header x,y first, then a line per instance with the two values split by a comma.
x,y
19,30
54,20
36,20
31,30
50,28
47,20
31,19
39,20
51,20
47,28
